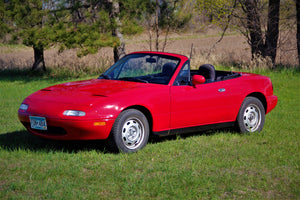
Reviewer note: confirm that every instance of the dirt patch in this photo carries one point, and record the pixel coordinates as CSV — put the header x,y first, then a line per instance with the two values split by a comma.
x,y
232,49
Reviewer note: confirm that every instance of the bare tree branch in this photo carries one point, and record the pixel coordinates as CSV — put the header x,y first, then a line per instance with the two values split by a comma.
x,y
224,30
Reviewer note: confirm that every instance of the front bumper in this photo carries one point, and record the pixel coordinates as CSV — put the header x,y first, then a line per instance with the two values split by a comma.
x,y
68,129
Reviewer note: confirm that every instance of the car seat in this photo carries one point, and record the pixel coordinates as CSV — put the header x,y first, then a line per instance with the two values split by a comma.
x,y
168,69
208,71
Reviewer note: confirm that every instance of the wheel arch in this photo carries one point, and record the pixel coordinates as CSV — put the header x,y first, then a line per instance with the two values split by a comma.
x,y
146,112
260,97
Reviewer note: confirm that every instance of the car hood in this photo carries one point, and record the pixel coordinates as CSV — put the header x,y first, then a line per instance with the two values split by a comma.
x,y
85,91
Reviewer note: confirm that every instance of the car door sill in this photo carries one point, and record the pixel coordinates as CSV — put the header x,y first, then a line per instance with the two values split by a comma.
x,y
194,129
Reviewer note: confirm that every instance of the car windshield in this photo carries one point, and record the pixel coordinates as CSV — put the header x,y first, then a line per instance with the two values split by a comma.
x,y
147,68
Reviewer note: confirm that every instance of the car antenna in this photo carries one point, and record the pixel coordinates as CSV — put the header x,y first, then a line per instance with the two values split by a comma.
x,y
189,78
191,51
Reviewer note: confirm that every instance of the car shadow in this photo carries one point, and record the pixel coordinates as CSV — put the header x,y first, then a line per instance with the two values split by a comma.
x,y
160,139
22,140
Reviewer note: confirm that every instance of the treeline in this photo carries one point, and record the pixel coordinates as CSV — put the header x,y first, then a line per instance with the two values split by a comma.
x,y
88,25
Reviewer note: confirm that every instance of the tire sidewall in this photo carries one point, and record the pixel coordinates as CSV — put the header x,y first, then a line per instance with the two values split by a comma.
x,y
240,122
117,130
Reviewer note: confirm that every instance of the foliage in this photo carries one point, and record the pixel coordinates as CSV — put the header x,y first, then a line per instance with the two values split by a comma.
x,y
130,27
4,28
90,25
251,16
209,165
161,17
171,15
41,24
87,27
217,11
85,37
25,20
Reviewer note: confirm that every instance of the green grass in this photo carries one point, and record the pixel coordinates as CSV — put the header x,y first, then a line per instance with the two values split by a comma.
x,y
210,165
11,48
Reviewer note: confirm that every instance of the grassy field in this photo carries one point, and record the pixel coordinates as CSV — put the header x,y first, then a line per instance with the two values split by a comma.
x,y
210,165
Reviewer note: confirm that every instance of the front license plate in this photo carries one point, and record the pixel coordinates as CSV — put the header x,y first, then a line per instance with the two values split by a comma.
x,y
38,123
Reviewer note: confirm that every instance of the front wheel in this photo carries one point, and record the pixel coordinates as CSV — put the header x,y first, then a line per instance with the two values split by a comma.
x,y
251,116
130,131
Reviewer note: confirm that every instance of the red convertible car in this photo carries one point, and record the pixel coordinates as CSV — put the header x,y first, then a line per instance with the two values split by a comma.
x,y
148,93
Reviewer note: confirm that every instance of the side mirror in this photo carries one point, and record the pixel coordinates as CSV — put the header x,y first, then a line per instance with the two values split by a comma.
x,y
198,79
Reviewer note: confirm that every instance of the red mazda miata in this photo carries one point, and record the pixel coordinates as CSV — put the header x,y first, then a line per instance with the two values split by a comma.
x,y
148,93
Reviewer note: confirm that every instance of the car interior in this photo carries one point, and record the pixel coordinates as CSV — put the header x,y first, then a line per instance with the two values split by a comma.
x,y
208,72
212,75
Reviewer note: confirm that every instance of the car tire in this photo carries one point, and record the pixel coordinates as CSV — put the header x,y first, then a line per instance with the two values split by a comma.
x,y
251,116
130,132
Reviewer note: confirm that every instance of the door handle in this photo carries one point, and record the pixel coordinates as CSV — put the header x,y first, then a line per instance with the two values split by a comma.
x,y
222,90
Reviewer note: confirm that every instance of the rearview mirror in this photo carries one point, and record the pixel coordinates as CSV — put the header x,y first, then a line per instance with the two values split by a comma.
x,y
198,79
151,60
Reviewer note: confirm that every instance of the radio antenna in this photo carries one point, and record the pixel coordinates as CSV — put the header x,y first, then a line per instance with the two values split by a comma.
x,y
191,51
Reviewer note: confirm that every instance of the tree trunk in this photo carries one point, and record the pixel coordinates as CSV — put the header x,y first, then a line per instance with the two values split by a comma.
x,y
272,30
298,28
119,51
156,26
39,61
254,28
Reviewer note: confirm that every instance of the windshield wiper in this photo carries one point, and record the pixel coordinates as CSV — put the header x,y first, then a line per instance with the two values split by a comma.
x,y
133,79
104,76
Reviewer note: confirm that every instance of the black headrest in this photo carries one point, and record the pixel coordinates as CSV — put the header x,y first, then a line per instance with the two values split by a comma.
x,y
208,71
168,68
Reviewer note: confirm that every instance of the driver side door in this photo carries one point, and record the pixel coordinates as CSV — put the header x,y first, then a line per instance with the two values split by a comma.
x,y
202,104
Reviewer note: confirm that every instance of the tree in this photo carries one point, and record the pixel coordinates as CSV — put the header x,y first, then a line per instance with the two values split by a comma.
x,y
216,10
4,20
84,25
265,46
253,27
26,19
272,30
105,15
119,50
298,28
248,17
219,12
160,17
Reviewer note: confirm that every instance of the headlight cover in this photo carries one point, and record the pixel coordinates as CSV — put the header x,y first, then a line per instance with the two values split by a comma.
x,y
74,113
23,107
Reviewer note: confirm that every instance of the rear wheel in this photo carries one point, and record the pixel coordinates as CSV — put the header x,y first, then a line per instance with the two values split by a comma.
x,y
130,131
251,117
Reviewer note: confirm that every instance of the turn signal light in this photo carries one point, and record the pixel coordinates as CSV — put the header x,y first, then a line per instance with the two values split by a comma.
x,y
99,123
